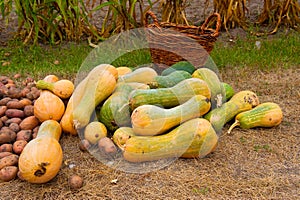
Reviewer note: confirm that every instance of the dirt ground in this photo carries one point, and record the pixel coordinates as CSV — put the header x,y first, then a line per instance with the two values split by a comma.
x,y
261,163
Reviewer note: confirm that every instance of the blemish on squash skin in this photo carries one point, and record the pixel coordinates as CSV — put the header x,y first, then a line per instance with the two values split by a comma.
x,y
42,171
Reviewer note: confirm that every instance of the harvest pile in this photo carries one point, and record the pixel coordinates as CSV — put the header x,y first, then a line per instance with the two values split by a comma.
x,y
137,114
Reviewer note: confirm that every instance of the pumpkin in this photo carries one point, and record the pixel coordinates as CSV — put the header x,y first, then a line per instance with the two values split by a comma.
x,y
48,106
94,131
41,159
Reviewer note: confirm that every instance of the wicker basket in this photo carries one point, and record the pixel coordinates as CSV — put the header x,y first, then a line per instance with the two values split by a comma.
x,y
170,43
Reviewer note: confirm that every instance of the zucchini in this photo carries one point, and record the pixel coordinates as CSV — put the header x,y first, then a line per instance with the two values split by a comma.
x,y
181,65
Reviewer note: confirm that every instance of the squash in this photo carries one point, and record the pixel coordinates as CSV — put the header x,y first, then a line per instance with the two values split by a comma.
x,y
179,66
194,138
42,157
241,101
99,85
169,97
140,75
94,131
115,111
229,91
150,120
48,106
267,114
121,135
66,121
62,88
169,80
51,78
123,70
214,84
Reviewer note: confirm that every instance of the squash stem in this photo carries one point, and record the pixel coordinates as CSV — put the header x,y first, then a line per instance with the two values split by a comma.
x,y
43,85
236,123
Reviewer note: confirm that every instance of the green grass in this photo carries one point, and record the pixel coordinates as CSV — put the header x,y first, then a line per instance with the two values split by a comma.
x,y
281,51
277,52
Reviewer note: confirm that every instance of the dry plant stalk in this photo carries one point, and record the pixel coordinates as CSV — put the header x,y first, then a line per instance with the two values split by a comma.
x,y
233,12
278,12
174,11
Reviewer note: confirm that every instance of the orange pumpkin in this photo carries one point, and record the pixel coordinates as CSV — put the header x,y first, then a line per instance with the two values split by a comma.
x,y
48,106
42,157
62,88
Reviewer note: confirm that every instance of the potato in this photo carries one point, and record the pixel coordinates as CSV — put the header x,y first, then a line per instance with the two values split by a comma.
x,y
25,91
29,123
4,101
107,146
4,154
26,102
2,110
15,104
7,135
9,161
35,131
13,120
8,173
75,182
84,145
24,135
29,110
14,127
6,148
1,124
4,79
14,93
4,119
10,113
19,145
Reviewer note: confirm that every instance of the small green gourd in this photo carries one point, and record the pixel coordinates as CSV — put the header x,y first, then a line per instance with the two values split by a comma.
x,y
267,114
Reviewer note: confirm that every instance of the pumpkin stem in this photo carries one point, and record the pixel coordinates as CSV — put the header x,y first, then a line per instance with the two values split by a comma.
x,y
40,172
236,123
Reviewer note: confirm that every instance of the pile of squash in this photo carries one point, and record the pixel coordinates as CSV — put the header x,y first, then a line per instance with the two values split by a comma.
x,y
179,113
144,115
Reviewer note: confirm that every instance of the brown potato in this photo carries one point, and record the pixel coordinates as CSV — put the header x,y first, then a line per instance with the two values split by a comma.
x,y
107,146
14,127
24,135
10,113
1,124
6,148
4,101
13,120
15,104
84,145
7,135
25,91
35,131
75,182
4,118
8,173
4,154
29,123
26,102
29,110
14,93
2,110
19,145
9,161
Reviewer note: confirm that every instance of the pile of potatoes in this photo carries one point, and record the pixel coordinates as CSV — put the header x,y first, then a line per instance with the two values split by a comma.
x,y
18,125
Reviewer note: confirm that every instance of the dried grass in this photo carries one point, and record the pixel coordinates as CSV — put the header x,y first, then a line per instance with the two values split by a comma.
x,y
248,164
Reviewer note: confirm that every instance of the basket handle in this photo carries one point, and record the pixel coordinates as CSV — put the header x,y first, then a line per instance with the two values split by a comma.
x,y
154,18
218,24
